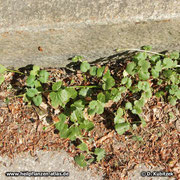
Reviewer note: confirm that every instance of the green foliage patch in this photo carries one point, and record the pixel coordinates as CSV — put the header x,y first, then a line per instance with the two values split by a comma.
x,y
136,81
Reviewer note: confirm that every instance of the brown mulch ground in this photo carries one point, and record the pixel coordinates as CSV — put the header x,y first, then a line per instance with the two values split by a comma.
x,y
21,129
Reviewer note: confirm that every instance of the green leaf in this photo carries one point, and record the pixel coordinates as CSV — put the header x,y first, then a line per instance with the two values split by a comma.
x,y
143,122
168,73
172,100
64,95
77,116
2,69
122,89
77,58
129,83
87,125
73,133
44,75
174,78
158,66
100,153
173,89
108,96
147,94
115,94
160,81
100,71
128,106
35,70
93,70
31,92
143,85
62,117
56,86
89,161
136,110
38,85
125,73
124,80
101,97
159,94
7,100
59,125
155,58
134,89
171,115
120,112
177,93
78,104
118,120
137,138
96,107
140,103
1,79
121,128
147,48
140,56
83,92
109,83
85,66
130,67
174,55
59,98
155,74
168,63
72,93
64,132
34,73
80,160
83,147
143,75
27,99
55,99
30,80
107,75
37,100
145,65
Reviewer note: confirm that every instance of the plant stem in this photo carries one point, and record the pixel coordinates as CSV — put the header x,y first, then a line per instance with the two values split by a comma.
x,y
10,70
47,127
136,122
140,51
20,95
83,86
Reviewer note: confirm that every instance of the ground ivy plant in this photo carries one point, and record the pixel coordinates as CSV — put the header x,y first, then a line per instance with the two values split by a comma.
x,y
138,76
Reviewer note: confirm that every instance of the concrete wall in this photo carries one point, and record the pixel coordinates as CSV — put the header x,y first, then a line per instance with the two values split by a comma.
x,y
64,28
29,15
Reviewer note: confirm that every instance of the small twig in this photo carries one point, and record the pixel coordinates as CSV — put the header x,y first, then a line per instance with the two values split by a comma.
x,y
140,51
104,138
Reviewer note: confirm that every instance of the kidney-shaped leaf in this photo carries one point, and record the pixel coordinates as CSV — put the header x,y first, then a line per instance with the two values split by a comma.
x,y
121,128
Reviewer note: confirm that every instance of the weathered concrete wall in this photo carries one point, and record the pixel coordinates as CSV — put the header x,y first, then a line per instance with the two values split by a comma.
x,y
42,14
64,28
